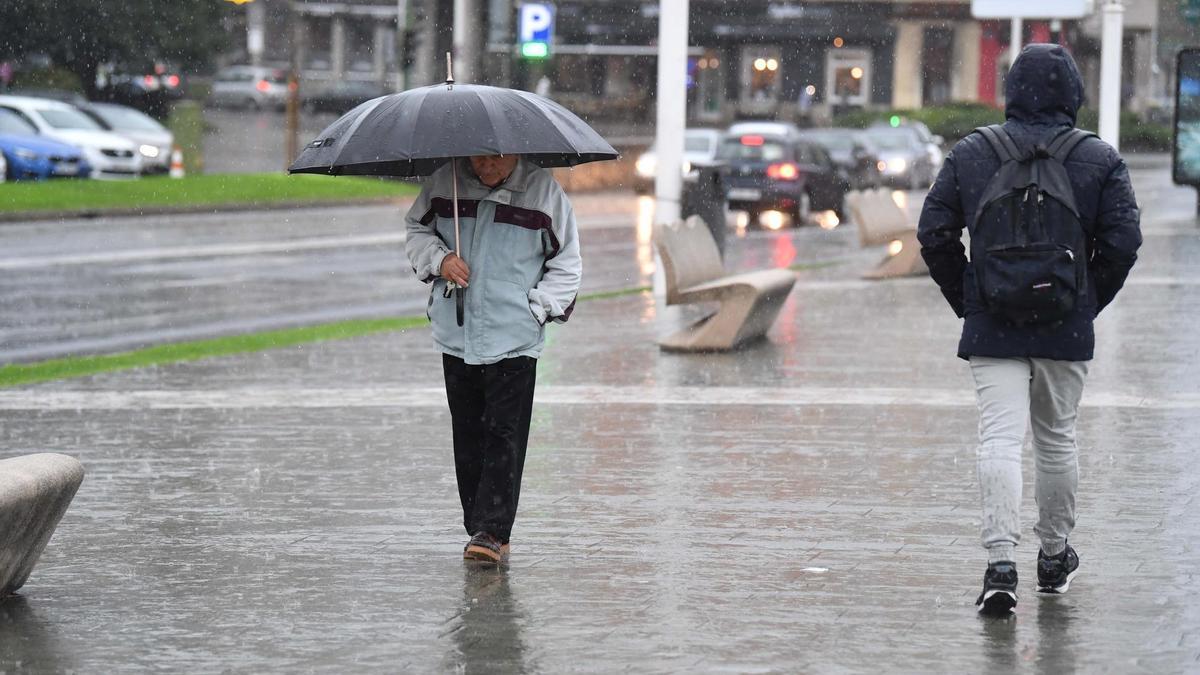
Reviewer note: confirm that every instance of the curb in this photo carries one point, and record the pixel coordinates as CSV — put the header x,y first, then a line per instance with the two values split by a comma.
x,y
88,214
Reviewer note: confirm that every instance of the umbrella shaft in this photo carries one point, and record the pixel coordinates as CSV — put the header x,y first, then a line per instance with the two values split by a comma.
x,y
457,236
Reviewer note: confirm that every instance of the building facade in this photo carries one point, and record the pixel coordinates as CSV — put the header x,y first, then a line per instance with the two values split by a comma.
x,y
789,59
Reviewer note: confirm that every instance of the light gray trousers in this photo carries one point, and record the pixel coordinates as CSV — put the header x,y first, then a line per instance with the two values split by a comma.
x,y
1012,394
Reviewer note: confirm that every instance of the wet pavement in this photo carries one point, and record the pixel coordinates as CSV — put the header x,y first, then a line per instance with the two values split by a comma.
x,y
806,505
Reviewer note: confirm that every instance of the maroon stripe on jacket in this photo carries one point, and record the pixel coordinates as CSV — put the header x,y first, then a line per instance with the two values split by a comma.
x,y
444,208
570,308
530,220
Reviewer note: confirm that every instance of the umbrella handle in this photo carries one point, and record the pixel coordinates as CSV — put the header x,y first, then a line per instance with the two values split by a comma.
x,y
458,305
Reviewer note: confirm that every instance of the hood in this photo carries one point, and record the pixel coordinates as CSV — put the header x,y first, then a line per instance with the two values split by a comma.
x,y
1043,86
156,138
38,144
92,139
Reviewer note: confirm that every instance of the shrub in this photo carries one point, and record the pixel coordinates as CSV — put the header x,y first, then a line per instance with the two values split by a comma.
x,y
954,121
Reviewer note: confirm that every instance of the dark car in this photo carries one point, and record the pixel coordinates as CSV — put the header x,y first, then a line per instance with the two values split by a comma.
x,y
772,167
342,96
911,155
853,152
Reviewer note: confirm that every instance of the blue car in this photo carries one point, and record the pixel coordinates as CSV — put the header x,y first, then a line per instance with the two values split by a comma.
x,y
33,157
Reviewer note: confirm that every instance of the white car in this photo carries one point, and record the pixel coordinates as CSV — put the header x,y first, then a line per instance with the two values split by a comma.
x,y
699,147
3,168
110,155
154,141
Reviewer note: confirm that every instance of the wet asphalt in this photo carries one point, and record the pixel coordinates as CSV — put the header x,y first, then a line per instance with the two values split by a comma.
x,y
805,505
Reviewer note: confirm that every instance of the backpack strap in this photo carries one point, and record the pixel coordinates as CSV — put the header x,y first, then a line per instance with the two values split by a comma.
x,y
1002,144
1062,145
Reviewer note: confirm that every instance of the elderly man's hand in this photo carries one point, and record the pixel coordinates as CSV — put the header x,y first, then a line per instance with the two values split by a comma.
x,y
455,269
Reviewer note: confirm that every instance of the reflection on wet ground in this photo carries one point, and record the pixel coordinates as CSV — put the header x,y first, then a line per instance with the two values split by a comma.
x,y
296,510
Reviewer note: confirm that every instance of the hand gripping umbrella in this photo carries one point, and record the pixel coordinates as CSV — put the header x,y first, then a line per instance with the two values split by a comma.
x,y
415,132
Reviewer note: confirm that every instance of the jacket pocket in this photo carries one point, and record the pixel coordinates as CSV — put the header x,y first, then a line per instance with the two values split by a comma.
x,y
510,323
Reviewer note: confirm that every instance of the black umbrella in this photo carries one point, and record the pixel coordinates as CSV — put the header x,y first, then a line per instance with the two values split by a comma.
x,y
416,131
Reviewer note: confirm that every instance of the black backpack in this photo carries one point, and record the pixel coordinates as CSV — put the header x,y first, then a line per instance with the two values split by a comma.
x,y
1028,246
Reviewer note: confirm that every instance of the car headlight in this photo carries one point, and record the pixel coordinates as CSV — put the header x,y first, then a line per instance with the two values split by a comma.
x,y
25,154
149,151
687,167
646,165
897,165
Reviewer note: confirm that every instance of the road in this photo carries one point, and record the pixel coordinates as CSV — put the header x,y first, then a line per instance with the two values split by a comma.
x,y
91,286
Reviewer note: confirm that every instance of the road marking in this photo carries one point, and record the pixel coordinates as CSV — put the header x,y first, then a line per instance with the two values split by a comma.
x,y
208,251
435,397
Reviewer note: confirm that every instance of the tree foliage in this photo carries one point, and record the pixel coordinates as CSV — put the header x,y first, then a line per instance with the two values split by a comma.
x,y
80,35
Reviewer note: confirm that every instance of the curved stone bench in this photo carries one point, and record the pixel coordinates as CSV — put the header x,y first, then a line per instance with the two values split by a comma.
x,y
881,221
694,273
35,491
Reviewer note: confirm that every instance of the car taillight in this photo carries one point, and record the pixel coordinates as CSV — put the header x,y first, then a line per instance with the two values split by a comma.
x,y
784,171
753,141
173,81
149,81
263,86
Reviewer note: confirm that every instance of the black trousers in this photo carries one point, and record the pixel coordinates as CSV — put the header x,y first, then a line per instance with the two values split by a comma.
x,y
490,408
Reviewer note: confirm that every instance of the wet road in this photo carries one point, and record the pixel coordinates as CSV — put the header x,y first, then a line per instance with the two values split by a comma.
x,y
806,505
111,284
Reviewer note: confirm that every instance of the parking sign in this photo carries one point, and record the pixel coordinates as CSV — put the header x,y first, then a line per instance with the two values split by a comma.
x,y
536,22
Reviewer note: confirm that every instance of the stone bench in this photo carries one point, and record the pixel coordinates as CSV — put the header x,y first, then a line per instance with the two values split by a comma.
x,y
35,491
749,302
881,221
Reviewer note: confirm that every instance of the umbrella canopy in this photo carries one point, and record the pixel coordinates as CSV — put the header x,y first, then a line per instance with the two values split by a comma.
x,y
414,132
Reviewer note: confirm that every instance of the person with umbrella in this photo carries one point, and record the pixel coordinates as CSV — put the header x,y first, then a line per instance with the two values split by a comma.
x,y
495,235
518,230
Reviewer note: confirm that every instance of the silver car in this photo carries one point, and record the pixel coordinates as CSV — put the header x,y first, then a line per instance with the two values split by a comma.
x,y
250,87
154,141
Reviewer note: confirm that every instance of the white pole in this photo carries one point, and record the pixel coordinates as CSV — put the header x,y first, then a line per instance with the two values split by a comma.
x,y
1015,38
466,39
671,99
1110,72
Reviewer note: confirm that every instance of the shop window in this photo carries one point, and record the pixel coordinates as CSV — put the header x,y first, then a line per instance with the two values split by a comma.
x,y
848,77
762,73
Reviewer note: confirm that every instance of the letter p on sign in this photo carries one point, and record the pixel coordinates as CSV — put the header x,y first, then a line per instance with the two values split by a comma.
x,y
536,22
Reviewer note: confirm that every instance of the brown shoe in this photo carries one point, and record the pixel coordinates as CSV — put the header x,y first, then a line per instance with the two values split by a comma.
x,y
484,547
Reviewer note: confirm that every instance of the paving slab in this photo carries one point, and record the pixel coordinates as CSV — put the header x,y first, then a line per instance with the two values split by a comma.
x,y
806,505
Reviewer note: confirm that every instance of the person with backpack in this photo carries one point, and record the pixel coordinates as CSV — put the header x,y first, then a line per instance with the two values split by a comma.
x,y
1054,230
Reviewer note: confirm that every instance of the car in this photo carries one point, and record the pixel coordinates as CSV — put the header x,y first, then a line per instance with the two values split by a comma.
x,y
27,156
344,95
772,167
109,155
911,156
699,147
853,153
250,87
154,141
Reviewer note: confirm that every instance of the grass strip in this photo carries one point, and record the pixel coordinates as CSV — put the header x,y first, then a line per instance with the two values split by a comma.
x,y
252,189
800,267
80,366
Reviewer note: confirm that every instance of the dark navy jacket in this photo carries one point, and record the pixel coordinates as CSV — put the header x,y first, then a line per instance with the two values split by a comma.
x,y
1044,92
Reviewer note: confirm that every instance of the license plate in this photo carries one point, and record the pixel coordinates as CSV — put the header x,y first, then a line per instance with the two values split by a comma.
x,y
744,195
66,169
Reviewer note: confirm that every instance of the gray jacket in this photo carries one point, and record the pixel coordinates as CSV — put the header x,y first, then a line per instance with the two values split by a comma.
x,y
522,245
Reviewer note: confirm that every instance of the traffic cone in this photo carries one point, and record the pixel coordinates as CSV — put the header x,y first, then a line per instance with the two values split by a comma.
x,y
177,163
